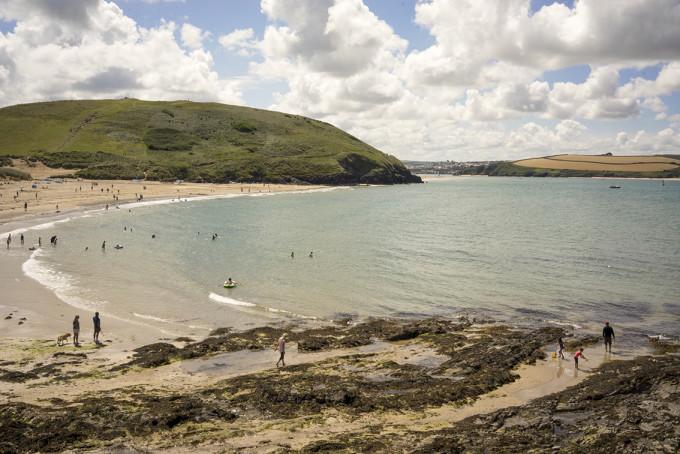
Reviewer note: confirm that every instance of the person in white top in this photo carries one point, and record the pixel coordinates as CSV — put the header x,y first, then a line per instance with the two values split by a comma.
x,y
282,349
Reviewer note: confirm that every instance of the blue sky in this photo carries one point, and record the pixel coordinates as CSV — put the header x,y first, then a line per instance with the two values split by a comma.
x,y
459,80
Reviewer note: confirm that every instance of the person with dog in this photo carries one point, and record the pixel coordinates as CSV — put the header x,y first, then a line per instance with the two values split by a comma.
x,y
97,326
76,329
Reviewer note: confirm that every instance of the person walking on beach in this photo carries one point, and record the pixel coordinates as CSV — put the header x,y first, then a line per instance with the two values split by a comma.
x,y
97,326
76,329
608,335
282,349
576,356
104,246
9,240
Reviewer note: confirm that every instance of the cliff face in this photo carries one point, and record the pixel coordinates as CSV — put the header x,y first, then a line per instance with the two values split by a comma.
x,y
129,138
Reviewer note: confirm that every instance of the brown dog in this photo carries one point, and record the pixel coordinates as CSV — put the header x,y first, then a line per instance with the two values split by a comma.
x,y
63,338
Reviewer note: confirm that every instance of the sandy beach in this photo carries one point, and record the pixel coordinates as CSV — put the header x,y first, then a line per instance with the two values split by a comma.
x,y
32,318
20,201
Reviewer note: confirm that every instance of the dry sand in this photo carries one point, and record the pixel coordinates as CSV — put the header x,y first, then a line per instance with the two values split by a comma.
x,y
37,316
21,201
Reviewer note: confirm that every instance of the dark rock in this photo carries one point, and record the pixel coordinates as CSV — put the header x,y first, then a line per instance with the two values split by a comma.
x,y
14,376
624,406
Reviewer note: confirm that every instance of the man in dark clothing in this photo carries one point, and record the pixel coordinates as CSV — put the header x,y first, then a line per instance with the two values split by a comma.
x,y
97,326
608,335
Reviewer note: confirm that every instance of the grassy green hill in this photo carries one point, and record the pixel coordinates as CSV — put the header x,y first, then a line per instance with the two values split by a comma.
x,y
129,138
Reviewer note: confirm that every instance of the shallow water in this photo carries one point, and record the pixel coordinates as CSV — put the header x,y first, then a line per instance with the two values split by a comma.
x,y
530,251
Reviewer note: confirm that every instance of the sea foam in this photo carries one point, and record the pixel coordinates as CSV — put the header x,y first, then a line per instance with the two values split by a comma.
x,y
152,317
233,302
61,284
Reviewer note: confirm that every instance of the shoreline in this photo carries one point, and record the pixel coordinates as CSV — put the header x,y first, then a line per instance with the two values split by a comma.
x,y
30,345
34,308
38,306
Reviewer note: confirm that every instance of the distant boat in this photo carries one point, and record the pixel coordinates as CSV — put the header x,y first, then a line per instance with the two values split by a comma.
x,y
614,187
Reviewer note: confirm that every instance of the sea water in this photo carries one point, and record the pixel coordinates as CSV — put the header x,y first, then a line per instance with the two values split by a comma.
x,y
528,251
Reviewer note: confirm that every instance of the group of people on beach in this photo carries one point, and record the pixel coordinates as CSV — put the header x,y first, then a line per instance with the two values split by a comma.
x,y
97,329
607,335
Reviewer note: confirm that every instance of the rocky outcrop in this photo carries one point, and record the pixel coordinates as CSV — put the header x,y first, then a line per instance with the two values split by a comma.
x,y
624,406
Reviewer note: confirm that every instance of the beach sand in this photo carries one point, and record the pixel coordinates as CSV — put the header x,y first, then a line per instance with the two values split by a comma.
x,y
31,317
19,201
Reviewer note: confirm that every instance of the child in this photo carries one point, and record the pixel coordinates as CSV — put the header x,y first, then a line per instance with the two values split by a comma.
x,y
560,346
576,355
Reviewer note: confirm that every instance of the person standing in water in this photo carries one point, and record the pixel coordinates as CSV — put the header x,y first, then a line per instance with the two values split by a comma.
x,y
576,356
560,347
608,335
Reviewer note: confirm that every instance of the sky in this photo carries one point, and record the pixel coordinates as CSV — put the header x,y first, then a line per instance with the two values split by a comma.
x,y
425,80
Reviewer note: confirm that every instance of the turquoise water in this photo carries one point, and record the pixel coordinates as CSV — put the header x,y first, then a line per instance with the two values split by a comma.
x,y
529,251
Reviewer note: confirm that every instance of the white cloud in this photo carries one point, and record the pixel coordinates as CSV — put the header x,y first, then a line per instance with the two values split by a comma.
x,y
92,50
238,40
192,37
336,57
675,121
655,104
477,92
596,32
346,66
